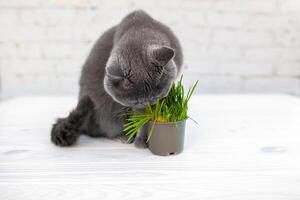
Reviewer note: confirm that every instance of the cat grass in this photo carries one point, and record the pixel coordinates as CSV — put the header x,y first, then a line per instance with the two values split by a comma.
x,y
172,108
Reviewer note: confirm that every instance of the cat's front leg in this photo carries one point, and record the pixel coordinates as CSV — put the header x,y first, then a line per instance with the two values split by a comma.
x,y
140,141
66,130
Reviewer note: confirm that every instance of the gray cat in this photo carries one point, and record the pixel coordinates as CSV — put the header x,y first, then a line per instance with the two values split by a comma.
x,y
131,64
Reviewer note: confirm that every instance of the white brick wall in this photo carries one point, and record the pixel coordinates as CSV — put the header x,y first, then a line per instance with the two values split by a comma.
x,y
229,45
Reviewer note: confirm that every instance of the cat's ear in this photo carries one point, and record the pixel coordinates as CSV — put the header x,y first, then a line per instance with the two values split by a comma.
x,y
163,54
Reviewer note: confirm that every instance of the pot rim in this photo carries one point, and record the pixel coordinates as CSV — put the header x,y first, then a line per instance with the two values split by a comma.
x,y
166,123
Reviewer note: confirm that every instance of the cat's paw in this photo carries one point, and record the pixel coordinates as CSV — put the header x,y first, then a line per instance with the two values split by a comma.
x,y
140,142
62,134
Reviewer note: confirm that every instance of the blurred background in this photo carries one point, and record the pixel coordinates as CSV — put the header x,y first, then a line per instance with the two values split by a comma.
x,y
230,46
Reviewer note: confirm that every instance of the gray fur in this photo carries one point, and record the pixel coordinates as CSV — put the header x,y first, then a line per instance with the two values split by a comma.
x,y
132,63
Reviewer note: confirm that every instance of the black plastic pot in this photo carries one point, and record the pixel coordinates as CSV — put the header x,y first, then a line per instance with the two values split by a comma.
x,y
166,138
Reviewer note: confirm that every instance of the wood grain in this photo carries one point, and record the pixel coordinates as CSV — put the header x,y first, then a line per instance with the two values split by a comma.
x,y
244,147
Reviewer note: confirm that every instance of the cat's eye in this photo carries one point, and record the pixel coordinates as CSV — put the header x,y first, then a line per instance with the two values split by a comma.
x,y
127,73
127,83
157,68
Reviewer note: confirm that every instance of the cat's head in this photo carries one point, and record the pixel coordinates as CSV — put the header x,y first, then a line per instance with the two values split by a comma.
x,y
135,77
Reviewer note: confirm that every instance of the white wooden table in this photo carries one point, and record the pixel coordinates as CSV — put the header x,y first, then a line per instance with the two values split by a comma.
x,y
245,147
